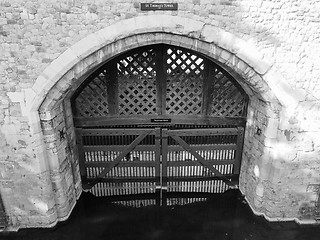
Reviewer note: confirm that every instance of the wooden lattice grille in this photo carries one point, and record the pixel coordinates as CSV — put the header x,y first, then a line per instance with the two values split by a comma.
x,y
184,82
160,80
93,99
225,98
137,83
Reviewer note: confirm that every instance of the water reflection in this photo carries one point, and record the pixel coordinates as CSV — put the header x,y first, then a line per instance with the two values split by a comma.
x,y
196,216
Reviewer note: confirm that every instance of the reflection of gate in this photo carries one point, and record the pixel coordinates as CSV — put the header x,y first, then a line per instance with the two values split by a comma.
x,y
129,161
159,116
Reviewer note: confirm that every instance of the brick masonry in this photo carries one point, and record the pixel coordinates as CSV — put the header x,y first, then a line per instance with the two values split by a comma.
x,y
48,47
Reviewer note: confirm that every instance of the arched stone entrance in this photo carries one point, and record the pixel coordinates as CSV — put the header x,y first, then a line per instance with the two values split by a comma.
x,y
51,114
185,109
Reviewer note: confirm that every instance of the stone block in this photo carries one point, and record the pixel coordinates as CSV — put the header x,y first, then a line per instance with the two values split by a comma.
x,y
225,56
211,34
42,157
49,220
85,47
66,60
250,54
271,130
150,38
53,160
284,93
120,30
16,96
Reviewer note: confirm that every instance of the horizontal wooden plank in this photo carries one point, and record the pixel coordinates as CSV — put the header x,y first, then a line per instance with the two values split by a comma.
x,y
194,179
117,148
171,148
146,120
203,147
154,179
153,163
196,163
123,180
122,164
204,132
116,132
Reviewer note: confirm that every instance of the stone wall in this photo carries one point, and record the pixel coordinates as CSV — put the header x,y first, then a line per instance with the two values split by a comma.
x,y
284,158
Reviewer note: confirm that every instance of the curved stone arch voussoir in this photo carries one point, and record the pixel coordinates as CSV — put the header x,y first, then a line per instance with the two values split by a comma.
x,y
144,30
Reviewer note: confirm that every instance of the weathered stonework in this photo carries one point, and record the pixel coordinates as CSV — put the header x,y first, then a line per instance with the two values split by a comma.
x,y
47,48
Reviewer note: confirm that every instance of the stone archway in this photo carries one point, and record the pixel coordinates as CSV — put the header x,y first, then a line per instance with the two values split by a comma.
x,y
51,116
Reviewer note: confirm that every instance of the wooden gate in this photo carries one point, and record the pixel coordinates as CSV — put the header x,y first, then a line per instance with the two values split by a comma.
x,y
131,161
159,117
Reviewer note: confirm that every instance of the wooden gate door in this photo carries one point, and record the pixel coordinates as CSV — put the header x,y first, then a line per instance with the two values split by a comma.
x,y
201,160
133,161
159,116
120,161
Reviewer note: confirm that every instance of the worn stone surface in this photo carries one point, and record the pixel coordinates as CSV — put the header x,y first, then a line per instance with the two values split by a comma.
x,y
274,45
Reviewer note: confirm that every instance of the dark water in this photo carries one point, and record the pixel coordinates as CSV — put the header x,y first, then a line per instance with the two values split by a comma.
x,y
220,216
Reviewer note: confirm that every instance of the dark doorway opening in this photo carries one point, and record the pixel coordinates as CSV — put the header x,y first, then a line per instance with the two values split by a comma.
x,y
159,117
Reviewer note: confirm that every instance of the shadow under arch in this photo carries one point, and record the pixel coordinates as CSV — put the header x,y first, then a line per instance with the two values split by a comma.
x,y
49,98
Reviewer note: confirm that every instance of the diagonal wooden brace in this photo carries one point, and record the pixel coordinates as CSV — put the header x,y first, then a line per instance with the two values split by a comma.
x,y
117,160
186,147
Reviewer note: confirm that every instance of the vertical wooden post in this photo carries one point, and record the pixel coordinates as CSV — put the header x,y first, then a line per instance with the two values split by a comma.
x,y
112,89
164,153
161,79
240,136
157,158
207,87
81,153
164,165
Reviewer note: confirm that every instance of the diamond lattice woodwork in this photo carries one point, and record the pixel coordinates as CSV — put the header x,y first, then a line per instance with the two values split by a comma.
x,y
160,80
184,82
93,99
137,83
225,98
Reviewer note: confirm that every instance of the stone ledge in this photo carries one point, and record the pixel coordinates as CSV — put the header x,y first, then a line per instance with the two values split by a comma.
x,y
278,219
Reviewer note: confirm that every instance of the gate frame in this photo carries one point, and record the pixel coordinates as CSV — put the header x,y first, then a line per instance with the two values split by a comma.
x,y
161,150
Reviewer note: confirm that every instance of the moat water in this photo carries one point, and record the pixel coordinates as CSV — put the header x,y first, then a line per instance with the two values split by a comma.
x,y
210,217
